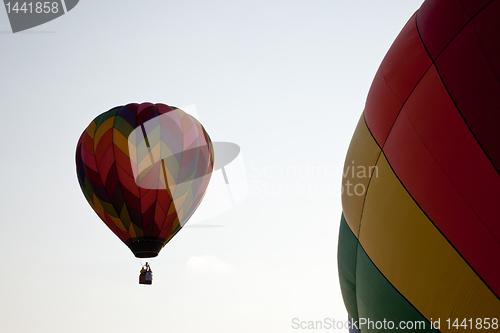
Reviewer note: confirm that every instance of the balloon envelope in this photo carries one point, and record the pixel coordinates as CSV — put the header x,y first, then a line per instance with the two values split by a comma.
x,y
144,169
420,232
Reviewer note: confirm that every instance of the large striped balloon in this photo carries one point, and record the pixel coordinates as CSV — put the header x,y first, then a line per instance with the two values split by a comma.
x,y
420,231
144,169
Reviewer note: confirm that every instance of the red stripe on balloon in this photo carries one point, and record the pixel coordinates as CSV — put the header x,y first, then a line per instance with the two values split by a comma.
x,y
439,21
430,142
472,82
402,68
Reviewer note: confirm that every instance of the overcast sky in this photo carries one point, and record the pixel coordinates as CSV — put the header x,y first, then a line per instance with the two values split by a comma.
x,y
285,80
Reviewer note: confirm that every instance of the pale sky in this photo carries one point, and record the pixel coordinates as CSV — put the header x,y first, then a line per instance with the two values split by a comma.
x,y
285,80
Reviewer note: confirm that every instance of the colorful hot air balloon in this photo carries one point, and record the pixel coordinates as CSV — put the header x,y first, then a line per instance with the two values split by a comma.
x,y
144,169
420,232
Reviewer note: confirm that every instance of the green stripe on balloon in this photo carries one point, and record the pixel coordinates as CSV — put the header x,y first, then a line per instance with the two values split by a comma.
x,y
346,257
367,293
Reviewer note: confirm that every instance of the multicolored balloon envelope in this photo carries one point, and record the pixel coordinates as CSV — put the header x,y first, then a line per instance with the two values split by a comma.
x,y
144,169
420,231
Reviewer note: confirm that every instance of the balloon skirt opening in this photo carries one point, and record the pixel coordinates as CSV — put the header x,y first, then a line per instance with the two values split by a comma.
x,y
146,248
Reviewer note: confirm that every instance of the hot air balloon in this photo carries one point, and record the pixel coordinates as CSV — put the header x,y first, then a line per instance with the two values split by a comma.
x,y
144,169
419,238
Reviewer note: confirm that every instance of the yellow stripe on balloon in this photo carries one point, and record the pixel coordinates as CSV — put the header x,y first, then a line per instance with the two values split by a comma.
x,y
359,164
91,129
131,231
97,206
118,223
121,142
415,257
103,128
